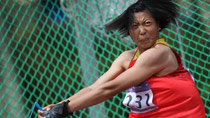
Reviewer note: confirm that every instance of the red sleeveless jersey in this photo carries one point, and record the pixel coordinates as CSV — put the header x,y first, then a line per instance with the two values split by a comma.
x,y
175,95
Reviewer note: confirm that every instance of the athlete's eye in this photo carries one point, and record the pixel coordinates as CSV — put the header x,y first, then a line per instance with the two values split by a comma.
x,y
134,26
147,23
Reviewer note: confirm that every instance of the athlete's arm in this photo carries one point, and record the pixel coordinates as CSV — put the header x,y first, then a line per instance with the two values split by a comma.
x,y
150,62
117,67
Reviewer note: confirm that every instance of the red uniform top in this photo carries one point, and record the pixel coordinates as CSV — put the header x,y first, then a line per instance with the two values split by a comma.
x,y
174,95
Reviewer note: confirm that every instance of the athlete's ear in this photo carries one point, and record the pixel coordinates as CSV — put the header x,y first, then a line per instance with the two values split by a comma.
x,y
158,25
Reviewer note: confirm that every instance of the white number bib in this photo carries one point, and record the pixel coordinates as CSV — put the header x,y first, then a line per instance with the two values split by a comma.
x,y
139,98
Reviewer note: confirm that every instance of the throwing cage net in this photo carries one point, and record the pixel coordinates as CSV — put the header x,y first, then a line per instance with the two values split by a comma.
x,y
50,49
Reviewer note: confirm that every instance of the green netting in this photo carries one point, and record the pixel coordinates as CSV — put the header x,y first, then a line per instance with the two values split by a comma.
x,y
50,49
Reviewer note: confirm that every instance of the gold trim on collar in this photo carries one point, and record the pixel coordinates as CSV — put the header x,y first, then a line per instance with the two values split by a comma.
x,y
159,41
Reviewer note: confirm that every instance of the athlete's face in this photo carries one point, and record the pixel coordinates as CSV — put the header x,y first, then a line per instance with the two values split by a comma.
x,y
144,30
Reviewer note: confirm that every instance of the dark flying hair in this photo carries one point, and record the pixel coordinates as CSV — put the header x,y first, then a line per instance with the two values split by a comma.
x,y
163,11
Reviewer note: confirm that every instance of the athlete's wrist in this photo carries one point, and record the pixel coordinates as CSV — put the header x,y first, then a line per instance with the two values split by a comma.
x,y
58,111
66,109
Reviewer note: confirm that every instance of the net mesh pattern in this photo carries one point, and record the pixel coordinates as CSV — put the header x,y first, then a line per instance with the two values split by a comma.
x,y
50,49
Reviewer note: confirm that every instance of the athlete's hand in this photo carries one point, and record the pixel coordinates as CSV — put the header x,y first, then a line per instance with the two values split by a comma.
x,y
56,111
47,108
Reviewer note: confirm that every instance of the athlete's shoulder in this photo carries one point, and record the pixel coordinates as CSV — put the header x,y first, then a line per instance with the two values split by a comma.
x,y
153,57
127,55
128,52
124,58
159,51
